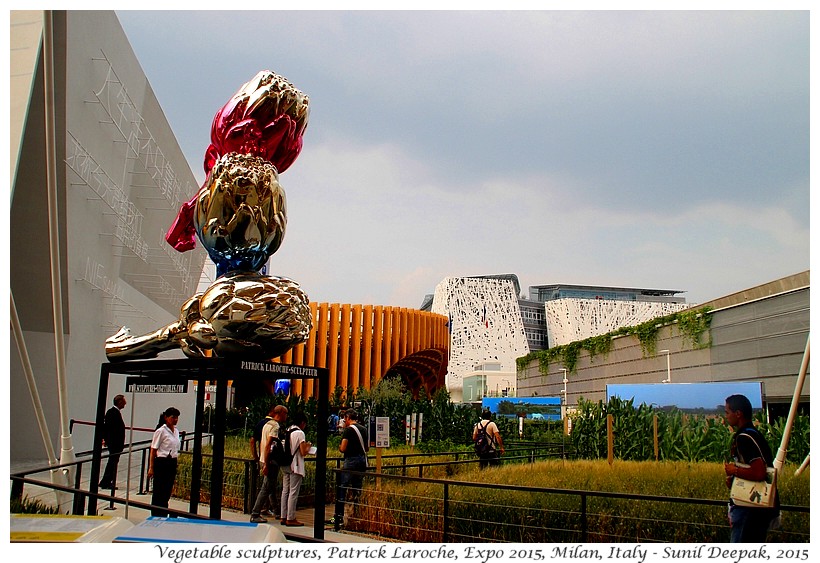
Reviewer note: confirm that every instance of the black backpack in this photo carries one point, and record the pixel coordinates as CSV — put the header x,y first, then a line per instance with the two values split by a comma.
x,y
257,430
280,451
483,443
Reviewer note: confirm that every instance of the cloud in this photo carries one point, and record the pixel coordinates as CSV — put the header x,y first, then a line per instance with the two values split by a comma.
x,y
663,149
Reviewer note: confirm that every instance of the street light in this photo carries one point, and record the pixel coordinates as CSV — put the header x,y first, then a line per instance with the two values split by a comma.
x,y
564,393
668,367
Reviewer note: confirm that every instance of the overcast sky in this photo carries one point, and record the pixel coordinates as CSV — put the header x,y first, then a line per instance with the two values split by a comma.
x,y
664,149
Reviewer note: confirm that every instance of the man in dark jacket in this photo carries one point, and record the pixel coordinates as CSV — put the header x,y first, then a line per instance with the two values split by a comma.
x,y
114,440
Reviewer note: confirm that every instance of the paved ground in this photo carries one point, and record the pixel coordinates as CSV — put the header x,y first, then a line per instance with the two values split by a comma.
x,y
137,515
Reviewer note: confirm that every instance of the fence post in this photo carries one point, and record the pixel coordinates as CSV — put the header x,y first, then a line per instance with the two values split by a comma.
x,y
655,432
79,497
583,518
16,490
143,472
250,485
445,523
610,440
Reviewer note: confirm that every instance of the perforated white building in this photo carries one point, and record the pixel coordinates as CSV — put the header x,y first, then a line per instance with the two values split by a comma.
x,y
489,324
485,326
574,319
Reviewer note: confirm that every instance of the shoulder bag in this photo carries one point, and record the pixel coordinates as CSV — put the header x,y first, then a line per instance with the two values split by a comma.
x,y
760,494
361,441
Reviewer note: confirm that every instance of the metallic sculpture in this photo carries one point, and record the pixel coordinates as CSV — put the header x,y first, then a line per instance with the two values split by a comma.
x,y
239,216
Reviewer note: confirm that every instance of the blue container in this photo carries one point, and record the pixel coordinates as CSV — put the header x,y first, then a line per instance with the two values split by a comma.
x,y
282,386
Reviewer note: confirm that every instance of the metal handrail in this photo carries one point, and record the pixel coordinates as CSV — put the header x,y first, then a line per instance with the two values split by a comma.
x,y
583,496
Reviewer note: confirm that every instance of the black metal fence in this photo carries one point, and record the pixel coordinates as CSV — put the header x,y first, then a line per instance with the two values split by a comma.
x,y
414,499
416,509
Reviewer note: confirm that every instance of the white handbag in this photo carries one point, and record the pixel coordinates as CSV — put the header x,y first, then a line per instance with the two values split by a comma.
x,y
760,494
755,493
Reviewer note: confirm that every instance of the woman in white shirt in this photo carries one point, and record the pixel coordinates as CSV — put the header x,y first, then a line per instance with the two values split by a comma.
x,y
162,463
292,476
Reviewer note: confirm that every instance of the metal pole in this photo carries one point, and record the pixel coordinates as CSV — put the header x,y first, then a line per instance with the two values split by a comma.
x,y
803,466
321,455
66,447
32,385
445,535
798,388
130,450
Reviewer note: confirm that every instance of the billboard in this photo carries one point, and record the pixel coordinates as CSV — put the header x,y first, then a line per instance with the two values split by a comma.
x,y
705,397
539,408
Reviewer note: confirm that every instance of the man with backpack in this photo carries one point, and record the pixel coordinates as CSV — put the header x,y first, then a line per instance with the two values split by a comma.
x,y
488,443
295,448
332,424
270,471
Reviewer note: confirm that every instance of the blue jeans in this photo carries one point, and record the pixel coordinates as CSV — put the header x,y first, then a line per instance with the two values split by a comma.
x,y
749,524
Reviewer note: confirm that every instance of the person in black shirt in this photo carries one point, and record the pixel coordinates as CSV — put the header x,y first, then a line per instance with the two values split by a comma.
x,y
354,446
752,455
114,440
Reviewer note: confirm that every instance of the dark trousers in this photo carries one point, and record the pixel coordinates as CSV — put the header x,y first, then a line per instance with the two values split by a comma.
x,y
109,477
349,486
165,473
750,524
489,459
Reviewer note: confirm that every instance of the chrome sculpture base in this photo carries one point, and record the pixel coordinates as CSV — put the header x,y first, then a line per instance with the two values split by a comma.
x,y
241,314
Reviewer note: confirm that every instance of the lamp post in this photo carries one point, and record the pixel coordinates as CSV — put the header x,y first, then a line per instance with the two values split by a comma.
x,y
668,367
564,393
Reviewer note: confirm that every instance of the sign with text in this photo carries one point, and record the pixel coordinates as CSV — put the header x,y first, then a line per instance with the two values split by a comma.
x,y
154,385
412,428
380,431
279,369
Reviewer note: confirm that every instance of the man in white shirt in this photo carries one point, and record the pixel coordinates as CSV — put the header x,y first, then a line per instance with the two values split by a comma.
x,y
292,476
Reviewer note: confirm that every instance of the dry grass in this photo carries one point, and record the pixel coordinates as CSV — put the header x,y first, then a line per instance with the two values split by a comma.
x,y
414,511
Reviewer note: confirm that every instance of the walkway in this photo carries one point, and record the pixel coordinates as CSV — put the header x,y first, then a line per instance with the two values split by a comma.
x,y
137,515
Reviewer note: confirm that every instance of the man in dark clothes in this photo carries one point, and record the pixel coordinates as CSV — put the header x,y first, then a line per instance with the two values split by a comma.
x,y
114,440
752,456
354,446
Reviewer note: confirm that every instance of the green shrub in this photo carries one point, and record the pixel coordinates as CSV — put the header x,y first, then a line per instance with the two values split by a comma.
x,y
681,436
30,506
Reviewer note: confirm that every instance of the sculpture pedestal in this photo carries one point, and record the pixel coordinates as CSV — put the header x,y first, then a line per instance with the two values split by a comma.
x,y
172,374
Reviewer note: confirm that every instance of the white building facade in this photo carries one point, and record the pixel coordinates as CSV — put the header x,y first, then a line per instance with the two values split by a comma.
x,y
571,319
485,326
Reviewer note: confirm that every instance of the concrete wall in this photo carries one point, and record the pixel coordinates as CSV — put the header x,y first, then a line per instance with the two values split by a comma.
x,y
760,337
120,180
